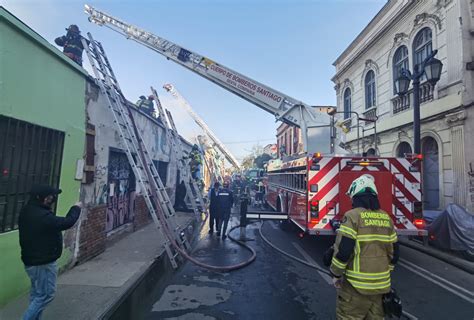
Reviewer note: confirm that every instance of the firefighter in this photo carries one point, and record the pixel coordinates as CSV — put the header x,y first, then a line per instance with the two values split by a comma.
x,y
226,200
71,43
214,209
146,105
195,162
365,253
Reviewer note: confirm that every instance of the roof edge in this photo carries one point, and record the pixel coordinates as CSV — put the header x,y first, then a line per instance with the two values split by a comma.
x,y
375,19
32,34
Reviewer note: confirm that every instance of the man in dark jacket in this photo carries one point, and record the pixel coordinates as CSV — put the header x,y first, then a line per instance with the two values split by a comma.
x,y
214,209
72,44
226,200
41,243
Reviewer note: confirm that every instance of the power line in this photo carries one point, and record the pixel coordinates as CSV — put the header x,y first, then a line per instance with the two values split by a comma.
x,y
250,141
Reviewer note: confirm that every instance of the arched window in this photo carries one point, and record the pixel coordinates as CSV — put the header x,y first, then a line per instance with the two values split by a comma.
x,y
403,148
370,89
347,103
422,47
400,61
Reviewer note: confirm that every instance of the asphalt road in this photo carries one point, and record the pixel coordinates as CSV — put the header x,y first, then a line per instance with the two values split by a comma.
x,y
276,287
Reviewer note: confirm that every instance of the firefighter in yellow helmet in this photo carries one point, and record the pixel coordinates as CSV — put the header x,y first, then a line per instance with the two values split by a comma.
x,y
365,253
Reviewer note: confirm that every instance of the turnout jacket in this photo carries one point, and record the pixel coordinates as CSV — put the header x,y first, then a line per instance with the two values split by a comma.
x,y
41,240
366,250
72,45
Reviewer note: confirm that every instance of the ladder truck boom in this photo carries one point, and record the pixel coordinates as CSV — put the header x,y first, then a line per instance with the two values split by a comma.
x,y
316,125
175,93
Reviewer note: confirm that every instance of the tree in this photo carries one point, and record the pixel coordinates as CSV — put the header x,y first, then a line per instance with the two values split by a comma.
x,y
262,159
248,162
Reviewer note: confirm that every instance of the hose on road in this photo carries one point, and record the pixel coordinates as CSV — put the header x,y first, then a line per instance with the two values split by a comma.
x,y
210,267
268,242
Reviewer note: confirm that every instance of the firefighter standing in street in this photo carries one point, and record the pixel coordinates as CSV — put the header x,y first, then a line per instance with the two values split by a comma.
x,y
71,43
365,253
214,209
226,200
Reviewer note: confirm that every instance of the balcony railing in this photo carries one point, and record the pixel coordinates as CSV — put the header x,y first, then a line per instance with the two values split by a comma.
x,y
402,103
370,114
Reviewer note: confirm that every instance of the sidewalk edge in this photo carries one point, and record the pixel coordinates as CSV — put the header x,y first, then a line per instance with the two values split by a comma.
x,y
457,262
158,262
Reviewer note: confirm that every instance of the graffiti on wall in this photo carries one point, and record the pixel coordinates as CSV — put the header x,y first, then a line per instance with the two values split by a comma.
x,y
120,190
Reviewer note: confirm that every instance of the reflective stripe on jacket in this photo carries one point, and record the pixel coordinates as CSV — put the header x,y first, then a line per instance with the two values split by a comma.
x,y
368,268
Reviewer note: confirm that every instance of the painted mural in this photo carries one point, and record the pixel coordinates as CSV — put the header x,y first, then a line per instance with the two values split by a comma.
x,y
120,191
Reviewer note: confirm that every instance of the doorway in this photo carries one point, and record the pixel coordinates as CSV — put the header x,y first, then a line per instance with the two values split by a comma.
x,y
429,149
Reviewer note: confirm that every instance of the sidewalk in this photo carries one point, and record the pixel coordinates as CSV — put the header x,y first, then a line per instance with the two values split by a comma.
x,y
90,290
445,256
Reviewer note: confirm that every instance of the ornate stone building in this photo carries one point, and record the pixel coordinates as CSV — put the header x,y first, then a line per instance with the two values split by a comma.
x,y
400,36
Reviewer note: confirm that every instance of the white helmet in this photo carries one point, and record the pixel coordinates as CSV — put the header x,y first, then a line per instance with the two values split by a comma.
x,y
365,183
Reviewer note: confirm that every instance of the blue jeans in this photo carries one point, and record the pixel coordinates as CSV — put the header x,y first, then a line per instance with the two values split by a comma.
x,y
43,288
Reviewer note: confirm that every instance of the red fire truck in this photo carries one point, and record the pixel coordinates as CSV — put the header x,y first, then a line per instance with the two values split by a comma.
x,y
311,190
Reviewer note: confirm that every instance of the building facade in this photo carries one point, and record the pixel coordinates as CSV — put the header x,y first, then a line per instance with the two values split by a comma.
x,y
42,125
399,37
289,140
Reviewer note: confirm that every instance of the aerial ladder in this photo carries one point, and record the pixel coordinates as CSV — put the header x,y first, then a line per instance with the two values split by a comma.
x,y
222,148
318,130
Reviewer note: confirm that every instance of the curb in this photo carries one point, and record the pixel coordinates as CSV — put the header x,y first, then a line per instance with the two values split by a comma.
x,y
450,259
159,263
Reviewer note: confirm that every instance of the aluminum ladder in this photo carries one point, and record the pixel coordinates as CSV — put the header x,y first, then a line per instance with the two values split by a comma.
x,y
154,192
175,143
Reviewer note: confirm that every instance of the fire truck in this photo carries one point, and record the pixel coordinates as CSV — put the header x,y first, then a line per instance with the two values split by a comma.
x,y
309,190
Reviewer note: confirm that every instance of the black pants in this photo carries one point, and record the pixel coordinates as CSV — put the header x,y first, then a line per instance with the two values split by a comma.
x,y
225,216
214,218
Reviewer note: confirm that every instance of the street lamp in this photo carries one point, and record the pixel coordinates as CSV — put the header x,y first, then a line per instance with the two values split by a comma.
x,y
431,67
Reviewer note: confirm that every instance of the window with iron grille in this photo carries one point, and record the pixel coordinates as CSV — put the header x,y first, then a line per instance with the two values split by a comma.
x,y
29,154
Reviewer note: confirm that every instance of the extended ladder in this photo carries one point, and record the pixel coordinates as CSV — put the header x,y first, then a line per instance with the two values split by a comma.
x,y
154,192
174,139
192,189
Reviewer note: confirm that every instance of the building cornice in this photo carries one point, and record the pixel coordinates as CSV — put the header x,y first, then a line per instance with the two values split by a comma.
x,y
381,32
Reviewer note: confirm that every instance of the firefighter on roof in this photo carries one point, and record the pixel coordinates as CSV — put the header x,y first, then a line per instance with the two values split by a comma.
x,y
71,43
365,252
146,105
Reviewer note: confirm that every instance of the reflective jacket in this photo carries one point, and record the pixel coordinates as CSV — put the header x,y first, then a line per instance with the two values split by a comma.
x,y
364,250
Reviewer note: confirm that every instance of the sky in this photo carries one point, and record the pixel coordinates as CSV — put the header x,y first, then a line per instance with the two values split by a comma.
x,y
288,45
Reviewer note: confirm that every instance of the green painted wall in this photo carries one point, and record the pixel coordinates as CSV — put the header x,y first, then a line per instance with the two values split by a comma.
x,y
39,85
